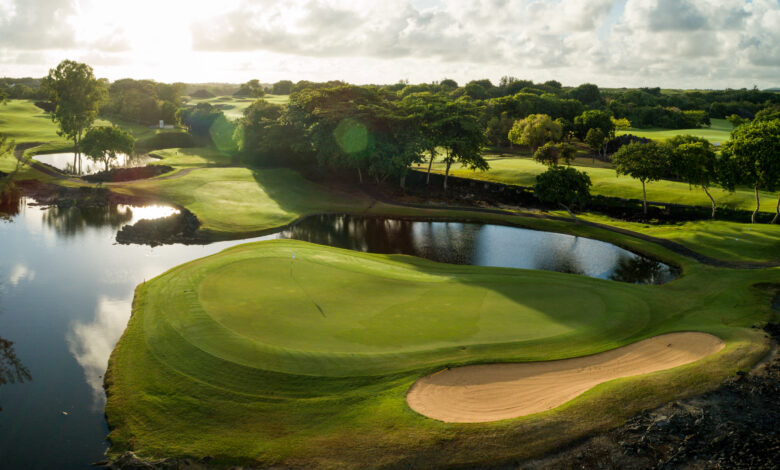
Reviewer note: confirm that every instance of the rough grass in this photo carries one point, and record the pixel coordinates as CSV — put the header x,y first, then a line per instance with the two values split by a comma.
x,y
719,131
523,171
213,359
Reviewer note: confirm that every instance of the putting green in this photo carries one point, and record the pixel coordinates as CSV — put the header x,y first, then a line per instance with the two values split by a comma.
x,y
258,307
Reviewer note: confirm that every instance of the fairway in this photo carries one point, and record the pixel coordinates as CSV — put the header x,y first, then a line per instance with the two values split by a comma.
x,y
718,132
523,171
306,361
233,107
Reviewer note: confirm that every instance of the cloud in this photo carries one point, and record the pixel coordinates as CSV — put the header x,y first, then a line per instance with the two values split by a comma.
x,y
37,24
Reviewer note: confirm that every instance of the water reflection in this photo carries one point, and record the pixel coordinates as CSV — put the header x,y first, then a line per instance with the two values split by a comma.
x,y
11,368
70,221
68,163
481,245
10,200
640,270
91,343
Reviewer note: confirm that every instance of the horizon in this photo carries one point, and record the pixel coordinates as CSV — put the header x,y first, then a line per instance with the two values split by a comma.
x,y
612,43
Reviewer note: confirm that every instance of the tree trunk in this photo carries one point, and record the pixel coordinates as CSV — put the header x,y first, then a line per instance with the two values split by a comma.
x,y
711,199
360,176
570,212
644,198
430,164
758,206
777,211
447,174
403,181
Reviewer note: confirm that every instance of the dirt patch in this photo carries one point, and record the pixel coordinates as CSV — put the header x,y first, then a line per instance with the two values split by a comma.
x,y
492,392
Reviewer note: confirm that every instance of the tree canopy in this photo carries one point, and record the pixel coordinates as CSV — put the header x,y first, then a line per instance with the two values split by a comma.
x,y
76,95
535,131
563,186
643,161
103,143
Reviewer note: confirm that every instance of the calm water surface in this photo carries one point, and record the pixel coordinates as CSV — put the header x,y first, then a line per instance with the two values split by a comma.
x,y
66,290
64,162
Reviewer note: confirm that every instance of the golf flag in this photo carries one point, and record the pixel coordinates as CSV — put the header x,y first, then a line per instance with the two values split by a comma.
x,y
293,255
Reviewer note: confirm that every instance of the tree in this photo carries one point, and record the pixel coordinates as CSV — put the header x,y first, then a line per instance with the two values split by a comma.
x,y
587,93
535,131
462,137
551,154
595,140
448,84
77,96
282,87
563,186
695,163
643,161
753,150
498,128
102,144
432,112
594,119
736,120
250,89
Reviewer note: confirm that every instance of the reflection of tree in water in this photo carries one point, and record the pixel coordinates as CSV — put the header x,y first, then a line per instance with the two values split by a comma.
x,y
639,270
69,221
355,233
444,242
11,368
560,258
10,199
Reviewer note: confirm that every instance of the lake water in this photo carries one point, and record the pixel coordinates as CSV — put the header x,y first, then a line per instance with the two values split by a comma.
x,y
64,162
66,289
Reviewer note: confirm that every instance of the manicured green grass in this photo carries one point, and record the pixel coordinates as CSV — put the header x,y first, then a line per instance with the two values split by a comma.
x,y
719,131
234,357
192,157
714,238
24,122
523,171
233,108
234,202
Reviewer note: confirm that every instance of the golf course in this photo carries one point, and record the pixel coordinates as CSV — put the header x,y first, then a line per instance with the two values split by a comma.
x,y
301,296
327,350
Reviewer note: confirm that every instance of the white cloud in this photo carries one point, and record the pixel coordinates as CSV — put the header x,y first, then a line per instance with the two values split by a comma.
x,y
700,43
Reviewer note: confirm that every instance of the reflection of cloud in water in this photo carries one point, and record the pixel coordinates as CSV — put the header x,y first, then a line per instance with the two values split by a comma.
x,y
20,273
91,344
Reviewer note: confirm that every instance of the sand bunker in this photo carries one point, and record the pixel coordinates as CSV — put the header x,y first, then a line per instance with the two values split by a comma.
x,y
491,392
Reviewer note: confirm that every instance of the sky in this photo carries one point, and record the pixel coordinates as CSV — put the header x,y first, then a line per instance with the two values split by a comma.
x,y
613,43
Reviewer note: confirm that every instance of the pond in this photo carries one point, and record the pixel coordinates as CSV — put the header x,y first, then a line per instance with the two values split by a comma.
x,y
66,289
65,162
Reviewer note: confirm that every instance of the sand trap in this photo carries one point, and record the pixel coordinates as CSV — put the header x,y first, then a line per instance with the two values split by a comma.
x,y
491,392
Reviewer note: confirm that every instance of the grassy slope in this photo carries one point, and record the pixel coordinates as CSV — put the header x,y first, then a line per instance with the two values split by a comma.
x,y
523,171
717,239
719,131
160,384
192,157
239,201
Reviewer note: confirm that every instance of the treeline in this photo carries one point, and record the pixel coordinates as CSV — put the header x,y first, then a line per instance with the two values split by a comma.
x,y
144,101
